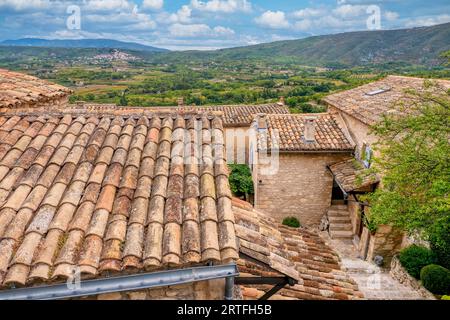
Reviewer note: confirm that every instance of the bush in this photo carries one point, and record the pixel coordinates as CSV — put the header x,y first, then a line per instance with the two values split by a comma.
x,y
440,242
291,222
436,279
414,258
241,181
445,298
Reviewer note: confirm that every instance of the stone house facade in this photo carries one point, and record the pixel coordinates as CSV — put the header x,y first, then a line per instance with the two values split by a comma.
x,y
357,110
292,153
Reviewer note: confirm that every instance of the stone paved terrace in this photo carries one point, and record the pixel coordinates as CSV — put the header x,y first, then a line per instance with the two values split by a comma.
x,y
373,282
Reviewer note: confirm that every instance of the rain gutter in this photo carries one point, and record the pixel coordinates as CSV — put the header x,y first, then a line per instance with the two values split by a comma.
x,y
126,283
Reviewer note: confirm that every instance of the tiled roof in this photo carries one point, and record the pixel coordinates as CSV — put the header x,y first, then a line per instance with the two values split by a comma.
x,y
233,115
111,194
298,253
286,132
369,102
351,175
17,89
243,115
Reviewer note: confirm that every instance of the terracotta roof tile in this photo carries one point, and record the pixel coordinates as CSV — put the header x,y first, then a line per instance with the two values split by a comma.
x,y
351,175
369,102
108,193
270,249
287,133
20,90
233,115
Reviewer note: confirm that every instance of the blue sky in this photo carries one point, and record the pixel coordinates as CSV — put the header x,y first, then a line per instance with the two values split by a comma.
x,y
210,24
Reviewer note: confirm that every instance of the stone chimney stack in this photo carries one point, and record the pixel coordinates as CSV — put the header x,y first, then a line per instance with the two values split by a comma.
x,y
282,101
310,129
180,102
261,121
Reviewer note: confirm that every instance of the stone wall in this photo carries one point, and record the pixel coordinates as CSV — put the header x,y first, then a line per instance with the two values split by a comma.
x,y
398,272
301,186
237,142
386,242
354,209
359,131
204,290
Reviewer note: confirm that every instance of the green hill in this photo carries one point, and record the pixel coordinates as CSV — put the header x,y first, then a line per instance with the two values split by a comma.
x,y
416,46
420,46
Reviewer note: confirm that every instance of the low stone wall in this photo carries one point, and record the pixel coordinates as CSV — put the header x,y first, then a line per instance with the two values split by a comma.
x,y
399,273
386,242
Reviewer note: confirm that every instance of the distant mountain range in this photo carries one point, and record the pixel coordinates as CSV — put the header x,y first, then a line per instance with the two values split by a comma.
x,y
419,46
83,43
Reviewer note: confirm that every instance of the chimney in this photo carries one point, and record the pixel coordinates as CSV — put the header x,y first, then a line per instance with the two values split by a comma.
x,y
282,102
80,104
310,129
261,121
180,102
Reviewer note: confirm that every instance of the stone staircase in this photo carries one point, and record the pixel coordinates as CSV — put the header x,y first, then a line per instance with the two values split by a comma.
x,y
376,283
340,226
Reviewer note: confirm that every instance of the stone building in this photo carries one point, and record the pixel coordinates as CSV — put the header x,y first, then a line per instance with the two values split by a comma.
x,y
291,155
357,110
20,91
134,204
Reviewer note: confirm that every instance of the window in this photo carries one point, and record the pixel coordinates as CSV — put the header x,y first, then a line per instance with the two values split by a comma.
x,y
378,91
366,155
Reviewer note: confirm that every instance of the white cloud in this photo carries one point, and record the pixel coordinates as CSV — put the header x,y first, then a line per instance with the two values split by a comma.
x,y
349,11
391,15
344,17
183,15
24,5
273,19
198,30
219,30
153,4
107,5
309,13
303,25
227,6
427,21
122,20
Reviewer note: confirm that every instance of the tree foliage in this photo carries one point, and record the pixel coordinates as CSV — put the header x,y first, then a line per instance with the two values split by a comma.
x,y
414,160
241,181
446,55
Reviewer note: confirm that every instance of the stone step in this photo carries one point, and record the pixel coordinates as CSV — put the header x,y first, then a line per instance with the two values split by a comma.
x,y
340,226
339,219
333,213
341,234
339,207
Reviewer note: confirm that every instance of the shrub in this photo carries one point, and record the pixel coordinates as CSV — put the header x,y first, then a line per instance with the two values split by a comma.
x,y
414,258
440,242
241,181
445,298
291,222
436,279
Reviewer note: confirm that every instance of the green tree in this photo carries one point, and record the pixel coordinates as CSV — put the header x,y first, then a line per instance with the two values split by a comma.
x,y
123,99
241,181
414,159
446,55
